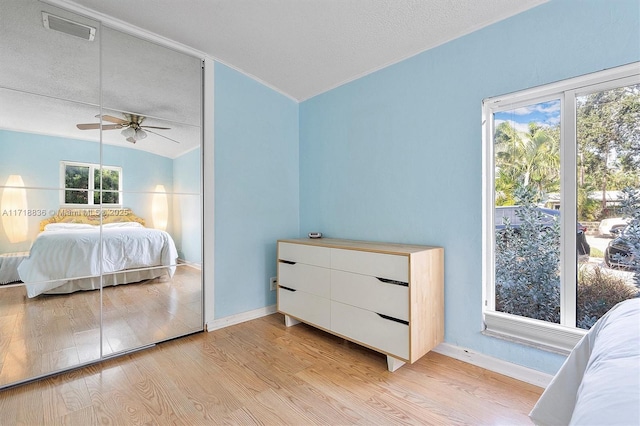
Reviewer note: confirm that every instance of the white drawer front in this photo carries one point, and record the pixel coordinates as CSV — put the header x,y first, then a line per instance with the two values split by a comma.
x,y
301,253
369,293
369,328
305,306
390,266
312,279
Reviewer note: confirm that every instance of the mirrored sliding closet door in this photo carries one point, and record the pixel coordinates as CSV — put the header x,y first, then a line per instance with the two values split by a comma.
x,y
100,192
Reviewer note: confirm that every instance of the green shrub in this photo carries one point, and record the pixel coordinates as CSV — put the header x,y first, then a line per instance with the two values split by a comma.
x,y
527,268
527,274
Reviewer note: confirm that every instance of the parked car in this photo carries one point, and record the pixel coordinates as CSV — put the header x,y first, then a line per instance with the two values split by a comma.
x,y
610,227
618,254
549,216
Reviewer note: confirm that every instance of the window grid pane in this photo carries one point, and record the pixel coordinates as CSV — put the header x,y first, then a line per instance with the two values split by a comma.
x,y
527,228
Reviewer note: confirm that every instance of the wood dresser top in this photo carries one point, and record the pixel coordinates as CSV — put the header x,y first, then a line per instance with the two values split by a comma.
x,y
377,247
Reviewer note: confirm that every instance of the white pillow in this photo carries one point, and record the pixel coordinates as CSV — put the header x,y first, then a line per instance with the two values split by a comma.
x,y
67,226
123,225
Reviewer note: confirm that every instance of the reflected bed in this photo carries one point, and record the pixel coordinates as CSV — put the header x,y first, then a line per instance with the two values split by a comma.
x,y
67,255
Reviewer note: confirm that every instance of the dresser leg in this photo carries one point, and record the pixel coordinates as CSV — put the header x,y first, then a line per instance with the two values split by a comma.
x,y
393,363
288,321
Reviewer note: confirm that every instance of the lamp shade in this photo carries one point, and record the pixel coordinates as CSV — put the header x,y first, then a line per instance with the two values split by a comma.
x,y
140,134
129,132
14,205
159,208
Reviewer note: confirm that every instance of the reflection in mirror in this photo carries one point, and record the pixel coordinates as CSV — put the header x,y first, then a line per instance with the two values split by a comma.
x,y
151,132
48,60
74,171
41,332
49,81
153,309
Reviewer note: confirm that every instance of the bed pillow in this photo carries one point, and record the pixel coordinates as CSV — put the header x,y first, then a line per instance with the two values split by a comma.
x,y
123,225
67,226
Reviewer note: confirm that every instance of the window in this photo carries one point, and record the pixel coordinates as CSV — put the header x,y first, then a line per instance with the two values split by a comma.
x,y
89,184
555,158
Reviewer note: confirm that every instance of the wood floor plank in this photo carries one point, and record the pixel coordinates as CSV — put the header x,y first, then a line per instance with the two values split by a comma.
x,y
83,416
263,373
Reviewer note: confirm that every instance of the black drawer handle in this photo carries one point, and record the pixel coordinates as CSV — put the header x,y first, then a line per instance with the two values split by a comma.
x,y
394,282
387,317
287,288
288,262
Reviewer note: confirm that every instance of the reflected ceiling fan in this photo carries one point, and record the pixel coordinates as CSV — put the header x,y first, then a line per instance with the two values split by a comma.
x,y
131,126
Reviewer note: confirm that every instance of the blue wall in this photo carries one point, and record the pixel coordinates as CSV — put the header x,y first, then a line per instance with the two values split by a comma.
x,y
397,155
256,188
187,205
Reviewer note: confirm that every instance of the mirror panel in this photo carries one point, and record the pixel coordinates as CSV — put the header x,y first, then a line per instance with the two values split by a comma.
x,y
49,82
42,332
155,97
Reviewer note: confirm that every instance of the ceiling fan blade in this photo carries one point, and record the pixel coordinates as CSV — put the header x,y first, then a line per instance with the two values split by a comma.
x,y
154,127
88,126
92,126
111,126
162,136
113,119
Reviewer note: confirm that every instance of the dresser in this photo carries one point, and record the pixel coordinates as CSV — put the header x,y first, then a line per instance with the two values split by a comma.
x,y
387,297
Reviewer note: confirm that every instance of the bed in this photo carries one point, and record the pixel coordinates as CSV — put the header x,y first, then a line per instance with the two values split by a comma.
x,y
67,255
599,383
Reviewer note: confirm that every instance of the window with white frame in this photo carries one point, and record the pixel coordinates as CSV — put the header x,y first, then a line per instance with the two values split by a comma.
x,y
87,184
556,157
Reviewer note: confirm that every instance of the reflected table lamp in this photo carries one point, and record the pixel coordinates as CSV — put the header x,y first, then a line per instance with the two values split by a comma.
x,y
14,210
159,208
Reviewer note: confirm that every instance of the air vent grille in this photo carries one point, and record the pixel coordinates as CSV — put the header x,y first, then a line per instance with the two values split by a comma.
x,y
66,26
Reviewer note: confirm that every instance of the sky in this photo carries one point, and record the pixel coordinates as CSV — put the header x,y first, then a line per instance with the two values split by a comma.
x,y
543,113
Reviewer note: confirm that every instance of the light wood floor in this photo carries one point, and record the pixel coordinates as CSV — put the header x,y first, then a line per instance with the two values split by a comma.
x,y
50,333
260,372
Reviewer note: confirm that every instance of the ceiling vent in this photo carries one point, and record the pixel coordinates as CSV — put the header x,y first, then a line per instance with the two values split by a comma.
x,y
63,25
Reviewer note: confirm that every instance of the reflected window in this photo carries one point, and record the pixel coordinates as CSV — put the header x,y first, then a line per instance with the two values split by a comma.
x,y
87,184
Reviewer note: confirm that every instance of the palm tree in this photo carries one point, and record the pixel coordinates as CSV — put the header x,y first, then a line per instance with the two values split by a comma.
x,y
530,159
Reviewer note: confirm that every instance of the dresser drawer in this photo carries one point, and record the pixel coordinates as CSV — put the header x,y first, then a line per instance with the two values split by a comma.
x,y
302,253
367,292
299,276
389,266
369,328
305,306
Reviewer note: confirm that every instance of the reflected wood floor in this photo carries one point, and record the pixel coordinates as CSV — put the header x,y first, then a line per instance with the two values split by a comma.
x,y
49,333
260,372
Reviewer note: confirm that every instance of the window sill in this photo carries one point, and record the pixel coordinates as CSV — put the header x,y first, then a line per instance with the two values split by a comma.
x,y
539,334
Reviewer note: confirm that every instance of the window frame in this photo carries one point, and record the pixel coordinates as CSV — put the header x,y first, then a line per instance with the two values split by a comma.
x,y
92,189
560,338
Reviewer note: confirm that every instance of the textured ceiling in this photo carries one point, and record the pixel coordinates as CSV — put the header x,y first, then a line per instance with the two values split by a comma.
x,y
305,47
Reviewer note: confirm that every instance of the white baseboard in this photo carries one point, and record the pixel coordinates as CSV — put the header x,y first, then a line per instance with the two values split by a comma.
x,y
515,371
241,317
